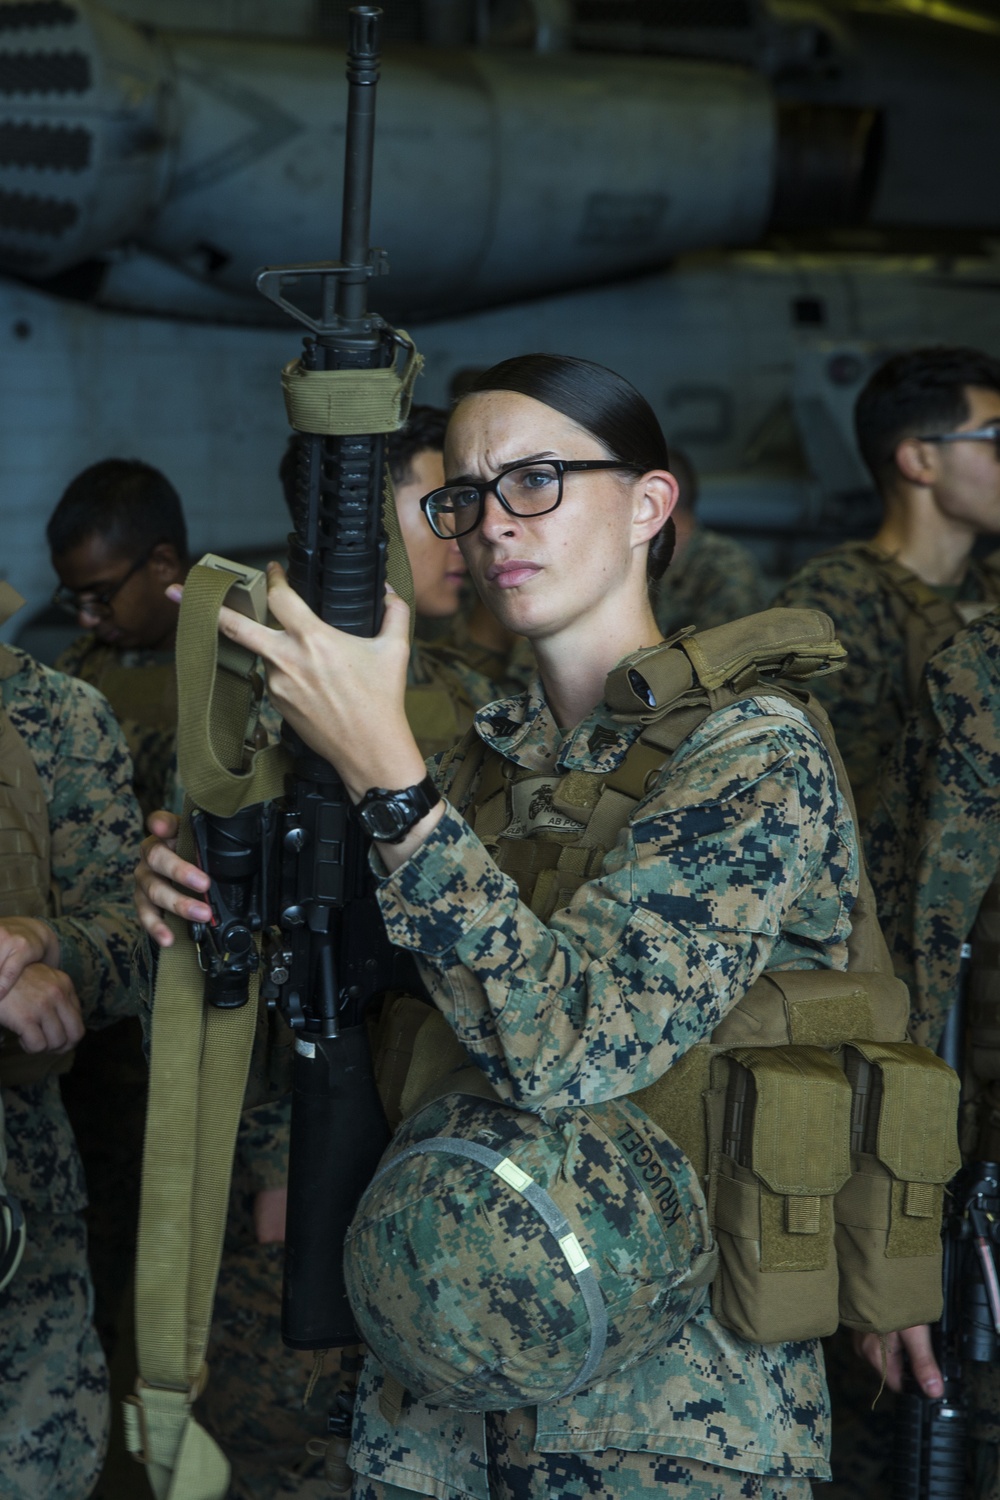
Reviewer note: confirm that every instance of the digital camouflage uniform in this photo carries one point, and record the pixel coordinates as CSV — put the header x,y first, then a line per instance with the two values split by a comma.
x,y
712,581
742,856
868,701
253,1403
53,1380
934,847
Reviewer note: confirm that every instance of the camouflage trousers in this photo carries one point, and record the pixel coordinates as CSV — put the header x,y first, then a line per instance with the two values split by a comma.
x,y
54,1406
518,1472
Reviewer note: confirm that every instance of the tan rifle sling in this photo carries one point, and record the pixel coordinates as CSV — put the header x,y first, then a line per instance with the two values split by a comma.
x,y
771,1108
200,1056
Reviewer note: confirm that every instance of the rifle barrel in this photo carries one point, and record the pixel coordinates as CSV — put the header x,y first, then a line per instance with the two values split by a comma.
x,y
362,76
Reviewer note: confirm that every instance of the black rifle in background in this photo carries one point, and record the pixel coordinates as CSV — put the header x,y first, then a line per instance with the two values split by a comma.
x,y
298,871
930,1450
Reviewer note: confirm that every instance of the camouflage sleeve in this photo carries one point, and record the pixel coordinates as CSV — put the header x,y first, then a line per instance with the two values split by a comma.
x,y
262,1145
744,825
865,701
934,841
95,831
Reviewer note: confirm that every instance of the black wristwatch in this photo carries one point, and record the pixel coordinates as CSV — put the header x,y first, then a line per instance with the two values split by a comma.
x,y
389,816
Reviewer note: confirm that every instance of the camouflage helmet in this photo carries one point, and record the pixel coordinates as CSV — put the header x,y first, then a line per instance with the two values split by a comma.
x,y
500,1259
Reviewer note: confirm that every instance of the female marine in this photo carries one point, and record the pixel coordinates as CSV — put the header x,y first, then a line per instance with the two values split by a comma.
x,y
740,856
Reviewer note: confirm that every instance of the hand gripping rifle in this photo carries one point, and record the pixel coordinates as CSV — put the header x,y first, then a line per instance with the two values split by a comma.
x,y
930,1445
299,870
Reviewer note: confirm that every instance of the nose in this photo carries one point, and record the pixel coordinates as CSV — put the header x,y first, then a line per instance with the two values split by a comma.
x,y
497,522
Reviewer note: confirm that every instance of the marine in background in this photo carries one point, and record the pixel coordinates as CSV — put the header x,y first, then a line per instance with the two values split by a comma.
x,y
118,539
711,578
709,1414
928,427
253,1403
69,826
934,855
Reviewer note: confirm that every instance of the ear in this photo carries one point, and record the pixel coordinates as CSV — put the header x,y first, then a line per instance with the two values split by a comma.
x,y
656,499
165,562
917,462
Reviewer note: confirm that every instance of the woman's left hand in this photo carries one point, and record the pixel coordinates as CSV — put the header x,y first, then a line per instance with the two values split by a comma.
x,y
343,694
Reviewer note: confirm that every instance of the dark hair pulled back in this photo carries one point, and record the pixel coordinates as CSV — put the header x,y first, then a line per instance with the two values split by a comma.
x,y
603,404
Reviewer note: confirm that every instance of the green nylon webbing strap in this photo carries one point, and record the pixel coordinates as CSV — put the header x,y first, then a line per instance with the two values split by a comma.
x,y
214,707
343,403
199,1060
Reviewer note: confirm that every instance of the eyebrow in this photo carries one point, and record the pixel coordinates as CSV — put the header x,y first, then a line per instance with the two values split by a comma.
x,y
515,463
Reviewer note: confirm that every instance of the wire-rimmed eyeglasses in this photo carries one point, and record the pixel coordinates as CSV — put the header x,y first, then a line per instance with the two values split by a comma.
x,y
977,435
523,489
99,604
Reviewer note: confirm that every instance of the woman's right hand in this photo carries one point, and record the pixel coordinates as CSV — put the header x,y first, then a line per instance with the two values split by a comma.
x,y
161,878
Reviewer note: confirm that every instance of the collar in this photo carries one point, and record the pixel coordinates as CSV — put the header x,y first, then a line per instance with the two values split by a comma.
x,y
523,730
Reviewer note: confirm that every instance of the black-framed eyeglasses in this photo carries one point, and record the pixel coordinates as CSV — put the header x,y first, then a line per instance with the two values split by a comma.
x,y
523,489
977,435
99,604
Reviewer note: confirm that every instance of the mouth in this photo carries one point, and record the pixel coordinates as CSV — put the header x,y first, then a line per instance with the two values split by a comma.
x,y
511,573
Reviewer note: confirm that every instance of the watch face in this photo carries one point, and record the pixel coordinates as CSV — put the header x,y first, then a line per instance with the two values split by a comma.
x,y
382,819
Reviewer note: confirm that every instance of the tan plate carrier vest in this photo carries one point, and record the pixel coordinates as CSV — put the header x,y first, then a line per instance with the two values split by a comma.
x,y
147,695
822,1135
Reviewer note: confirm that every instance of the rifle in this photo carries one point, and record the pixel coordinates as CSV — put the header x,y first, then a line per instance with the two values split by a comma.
x,y
299,871
929,1453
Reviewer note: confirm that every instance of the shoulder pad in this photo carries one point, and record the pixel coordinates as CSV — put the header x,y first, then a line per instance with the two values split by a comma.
x,y
774,645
